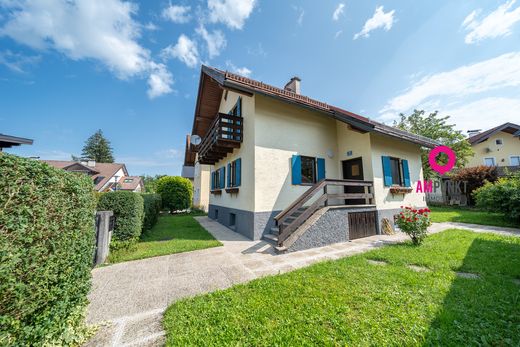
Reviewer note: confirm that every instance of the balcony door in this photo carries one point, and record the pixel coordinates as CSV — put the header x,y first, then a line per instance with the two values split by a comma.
x,y
353,170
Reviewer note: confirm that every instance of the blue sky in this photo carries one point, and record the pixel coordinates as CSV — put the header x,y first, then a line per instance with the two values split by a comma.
x,y
68,68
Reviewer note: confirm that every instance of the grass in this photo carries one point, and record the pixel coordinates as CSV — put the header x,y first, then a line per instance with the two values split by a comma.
x,y
441,214
353,302
171,234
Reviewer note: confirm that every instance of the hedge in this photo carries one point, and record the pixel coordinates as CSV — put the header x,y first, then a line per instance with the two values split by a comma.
x,y
176,192
128,210
152,208
46,251
502,196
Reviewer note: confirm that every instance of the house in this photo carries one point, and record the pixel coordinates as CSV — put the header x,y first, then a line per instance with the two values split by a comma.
x,y
8,141
499,146
106,176
199,175
297,170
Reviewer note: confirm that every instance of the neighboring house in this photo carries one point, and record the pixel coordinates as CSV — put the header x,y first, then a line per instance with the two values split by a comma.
x,y
198,175
297,170
106,176
8,141
499,146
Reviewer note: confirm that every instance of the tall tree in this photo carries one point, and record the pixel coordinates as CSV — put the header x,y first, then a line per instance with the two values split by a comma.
x,y
437,128
97,147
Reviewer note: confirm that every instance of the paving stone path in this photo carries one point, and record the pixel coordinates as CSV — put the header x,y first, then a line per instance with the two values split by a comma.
x,y
128,299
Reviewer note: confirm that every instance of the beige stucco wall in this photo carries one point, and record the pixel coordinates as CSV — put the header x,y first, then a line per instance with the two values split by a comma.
x,y
244,200
201,186
282,130
501,153
388,146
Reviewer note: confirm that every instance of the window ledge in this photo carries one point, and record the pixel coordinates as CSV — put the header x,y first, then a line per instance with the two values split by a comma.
x,y
400,190
216,191
233,190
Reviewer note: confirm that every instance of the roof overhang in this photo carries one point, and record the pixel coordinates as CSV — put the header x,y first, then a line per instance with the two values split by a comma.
x,y
7,141
510,128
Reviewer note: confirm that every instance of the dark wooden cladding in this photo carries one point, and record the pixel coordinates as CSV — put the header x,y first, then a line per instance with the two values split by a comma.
x,y
362,224
224,135
208,104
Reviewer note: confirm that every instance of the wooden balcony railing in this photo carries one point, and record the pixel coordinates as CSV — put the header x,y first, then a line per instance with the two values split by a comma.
x,y
297,213
224,135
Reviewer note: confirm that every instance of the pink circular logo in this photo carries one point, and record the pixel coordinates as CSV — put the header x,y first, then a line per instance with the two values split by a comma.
x,y
442,169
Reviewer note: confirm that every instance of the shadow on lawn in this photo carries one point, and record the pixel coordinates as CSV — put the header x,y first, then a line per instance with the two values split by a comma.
x,y
483,310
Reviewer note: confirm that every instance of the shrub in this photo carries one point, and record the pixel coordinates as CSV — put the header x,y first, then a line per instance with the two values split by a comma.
x,y
414,223
46,253
502,196
152,208
475,177
176,192
128,210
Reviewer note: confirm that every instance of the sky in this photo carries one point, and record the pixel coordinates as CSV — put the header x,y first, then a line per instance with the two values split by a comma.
x,y
130,68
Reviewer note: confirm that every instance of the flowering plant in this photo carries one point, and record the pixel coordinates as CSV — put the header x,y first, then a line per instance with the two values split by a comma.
x,y
414,222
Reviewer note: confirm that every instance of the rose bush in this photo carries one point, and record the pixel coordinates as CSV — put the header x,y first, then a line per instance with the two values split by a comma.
x,y
414,222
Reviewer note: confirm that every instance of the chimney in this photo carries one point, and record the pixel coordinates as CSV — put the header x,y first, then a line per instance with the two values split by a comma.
x,y
91,163
473,132
293,85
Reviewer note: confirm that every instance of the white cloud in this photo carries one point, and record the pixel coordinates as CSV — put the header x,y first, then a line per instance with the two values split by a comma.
x,y
340,9
177,14
338,33
232,13
159,81
496,24
216,41
17,62
380,19
243,71
185,50
484,113
102,30
499,72
301,13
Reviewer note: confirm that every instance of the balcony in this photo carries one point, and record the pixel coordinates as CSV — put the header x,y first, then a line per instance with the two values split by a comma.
x,y
224,135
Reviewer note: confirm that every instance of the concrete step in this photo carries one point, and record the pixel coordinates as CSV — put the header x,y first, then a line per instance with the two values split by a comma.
x,y
272,239
275,231
280,250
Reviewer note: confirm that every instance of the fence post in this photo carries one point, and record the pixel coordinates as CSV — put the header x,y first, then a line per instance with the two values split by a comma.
x,y
103,235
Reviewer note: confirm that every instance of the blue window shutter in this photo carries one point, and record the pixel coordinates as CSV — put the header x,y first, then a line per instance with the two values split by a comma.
x,y
213,180
239,107
296,169
406,173
321,168
222,177
238,172
387,171
229,175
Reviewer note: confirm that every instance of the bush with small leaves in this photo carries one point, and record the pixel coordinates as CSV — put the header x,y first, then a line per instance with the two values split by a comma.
x,y
414,223
176,192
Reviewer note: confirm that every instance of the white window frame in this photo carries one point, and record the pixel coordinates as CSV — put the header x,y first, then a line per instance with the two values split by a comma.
x,y
511,159
494,161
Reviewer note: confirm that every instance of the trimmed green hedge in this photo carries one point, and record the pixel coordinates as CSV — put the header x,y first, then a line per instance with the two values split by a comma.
x,y
128,210
176,192
46,252
501,196
152,208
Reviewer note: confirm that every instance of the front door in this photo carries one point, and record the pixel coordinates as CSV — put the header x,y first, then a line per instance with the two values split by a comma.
x,y
353,170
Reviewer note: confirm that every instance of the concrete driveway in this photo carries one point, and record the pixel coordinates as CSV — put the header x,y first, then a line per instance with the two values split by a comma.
x,y
129,298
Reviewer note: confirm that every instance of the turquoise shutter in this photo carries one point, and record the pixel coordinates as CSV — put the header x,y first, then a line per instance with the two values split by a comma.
x,y
387,171
321,168
222,177
406,173
296,169
238,172
213,180
229,175
239,107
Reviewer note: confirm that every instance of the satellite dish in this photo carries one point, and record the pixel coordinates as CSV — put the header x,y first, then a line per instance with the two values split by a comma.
x,y
195,140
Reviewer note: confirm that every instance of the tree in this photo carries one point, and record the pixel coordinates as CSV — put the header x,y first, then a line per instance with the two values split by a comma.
x,y
176,192
97,147
150,182
437,128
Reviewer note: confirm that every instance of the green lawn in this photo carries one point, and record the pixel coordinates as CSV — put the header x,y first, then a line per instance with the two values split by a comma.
x,y
171,234
468,215
353,302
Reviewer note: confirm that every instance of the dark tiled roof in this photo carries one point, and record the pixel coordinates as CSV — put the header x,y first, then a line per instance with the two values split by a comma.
x,y
235,81
509,127
7,141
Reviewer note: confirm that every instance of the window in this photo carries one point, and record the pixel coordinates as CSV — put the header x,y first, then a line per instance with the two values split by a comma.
x,y
515,160
237,109
218,179
307,170
234,173
489,161
98,179
128,180
396,172
237,112
232,219
498,142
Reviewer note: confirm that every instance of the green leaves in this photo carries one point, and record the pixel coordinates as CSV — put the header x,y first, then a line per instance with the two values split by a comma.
x,y
176,192
97,148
